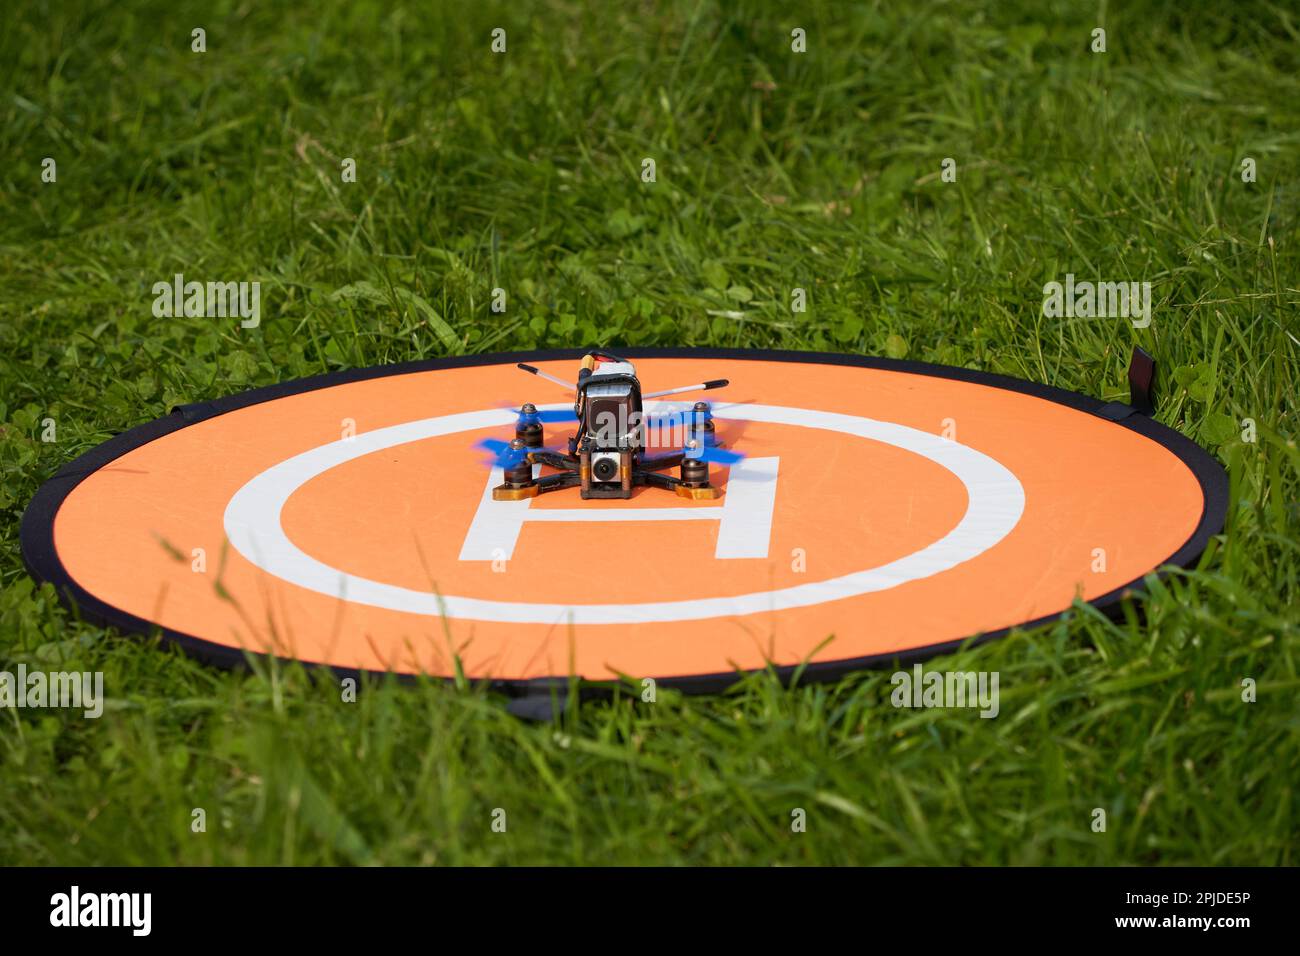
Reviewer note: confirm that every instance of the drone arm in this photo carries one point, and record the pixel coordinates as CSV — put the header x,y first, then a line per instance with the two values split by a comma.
x,y
565,479
552,458
660,462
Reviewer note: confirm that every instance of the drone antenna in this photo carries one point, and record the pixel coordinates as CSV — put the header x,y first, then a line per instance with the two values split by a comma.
x,y
702,387
547,375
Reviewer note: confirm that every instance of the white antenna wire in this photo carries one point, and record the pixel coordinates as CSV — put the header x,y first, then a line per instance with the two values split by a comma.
x,y
548,376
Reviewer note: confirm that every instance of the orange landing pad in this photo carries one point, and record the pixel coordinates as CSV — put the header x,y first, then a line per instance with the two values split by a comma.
x,y
896,508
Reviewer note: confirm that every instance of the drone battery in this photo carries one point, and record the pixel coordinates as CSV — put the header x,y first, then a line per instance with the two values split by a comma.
x,y
612,406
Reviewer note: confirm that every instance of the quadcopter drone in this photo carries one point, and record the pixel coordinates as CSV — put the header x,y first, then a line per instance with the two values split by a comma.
x,y
609,455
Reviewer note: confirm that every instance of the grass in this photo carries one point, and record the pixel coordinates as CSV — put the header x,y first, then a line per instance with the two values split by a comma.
x,y
774,171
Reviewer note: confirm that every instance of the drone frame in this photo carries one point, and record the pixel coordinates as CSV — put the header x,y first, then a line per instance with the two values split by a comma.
x,y
586,456
635,470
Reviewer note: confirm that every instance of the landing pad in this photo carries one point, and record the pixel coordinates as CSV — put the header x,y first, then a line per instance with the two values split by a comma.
x,y
886,511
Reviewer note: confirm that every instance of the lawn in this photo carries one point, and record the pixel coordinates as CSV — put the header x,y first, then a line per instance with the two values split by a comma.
x,y
774,170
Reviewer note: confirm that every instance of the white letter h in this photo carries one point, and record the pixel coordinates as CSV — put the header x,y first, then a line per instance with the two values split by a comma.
x,y
744,517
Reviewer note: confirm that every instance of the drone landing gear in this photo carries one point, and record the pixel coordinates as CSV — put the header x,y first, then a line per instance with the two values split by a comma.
x,y
694,482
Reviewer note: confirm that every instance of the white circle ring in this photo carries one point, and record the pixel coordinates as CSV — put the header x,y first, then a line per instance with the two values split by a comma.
x,y
996,500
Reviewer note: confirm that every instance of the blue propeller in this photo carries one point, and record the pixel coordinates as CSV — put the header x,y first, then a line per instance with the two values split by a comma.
x,y
503,456
706,450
